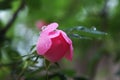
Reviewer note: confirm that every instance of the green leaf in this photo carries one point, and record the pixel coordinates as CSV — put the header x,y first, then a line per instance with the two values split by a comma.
x,y
86,33
33,49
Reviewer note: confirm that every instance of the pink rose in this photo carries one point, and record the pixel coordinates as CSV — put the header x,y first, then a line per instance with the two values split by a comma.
x,y
54,44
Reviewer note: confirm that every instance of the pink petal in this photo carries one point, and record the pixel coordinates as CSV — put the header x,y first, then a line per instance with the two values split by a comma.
x,y
68,55
58,49
54,33
43,44
66,37
50,27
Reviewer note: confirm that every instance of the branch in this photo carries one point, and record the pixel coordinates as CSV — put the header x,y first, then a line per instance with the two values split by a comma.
x,y
10,23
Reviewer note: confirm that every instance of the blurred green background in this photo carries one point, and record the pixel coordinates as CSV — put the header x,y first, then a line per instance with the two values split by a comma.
x,y
93,26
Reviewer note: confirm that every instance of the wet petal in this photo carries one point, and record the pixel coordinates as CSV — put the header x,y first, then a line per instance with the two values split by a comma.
x,y
54,33
58,49
68,55
66,37
43,44
50,27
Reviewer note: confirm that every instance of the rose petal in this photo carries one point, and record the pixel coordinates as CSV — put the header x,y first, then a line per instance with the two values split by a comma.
x,y
43,44
58,49
66,37
50,27
68,55
54,33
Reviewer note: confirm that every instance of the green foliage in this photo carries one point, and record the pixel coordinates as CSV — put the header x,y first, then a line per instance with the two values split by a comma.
x,y
69,72
5,4
83,32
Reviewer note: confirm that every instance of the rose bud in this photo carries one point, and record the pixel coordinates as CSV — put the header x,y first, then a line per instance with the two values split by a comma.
x,y
54,44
